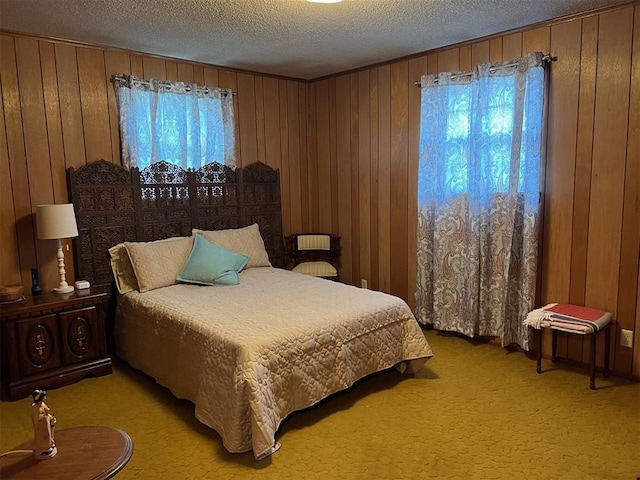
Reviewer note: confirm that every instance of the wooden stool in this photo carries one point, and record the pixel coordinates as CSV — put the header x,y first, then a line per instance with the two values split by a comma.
x,y
575,320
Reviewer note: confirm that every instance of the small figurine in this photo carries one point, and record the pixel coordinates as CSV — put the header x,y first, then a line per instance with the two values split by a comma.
x,y
43,423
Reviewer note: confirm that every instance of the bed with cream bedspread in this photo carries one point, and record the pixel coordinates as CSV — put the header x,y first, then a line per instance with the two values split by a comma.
x,y
249,355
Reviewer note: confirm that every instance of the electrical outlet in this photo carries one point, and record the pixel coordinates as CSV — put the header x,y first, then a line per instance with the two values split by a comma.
x,y
364,283
626,338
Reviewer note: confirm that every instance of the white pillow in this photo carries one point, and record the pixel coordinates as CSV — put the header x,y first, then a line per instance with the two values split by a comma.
x,y
122,269
246,241
157,264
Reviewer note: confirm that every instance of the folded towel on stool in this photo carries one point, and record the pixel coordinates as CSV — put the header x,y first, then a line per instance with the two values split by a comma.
x,y
568,318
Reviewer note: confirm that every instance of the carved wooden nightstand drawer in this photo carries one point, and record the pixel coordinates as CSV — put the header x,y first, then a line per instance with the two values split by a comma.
x,y
53,340
37,346
79,331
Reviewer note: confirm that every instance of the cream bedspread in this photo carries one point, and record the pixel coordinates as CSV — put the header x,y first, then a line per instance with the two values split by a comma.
x,y
249,355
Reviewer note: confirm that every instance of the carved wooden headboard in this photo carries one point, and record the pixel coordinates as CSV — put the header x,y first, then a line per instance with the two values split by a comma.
x,y
114,205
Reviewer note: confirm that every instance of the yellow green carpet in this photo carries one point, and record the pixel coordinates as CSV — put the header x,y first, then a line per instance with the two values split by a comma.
x,y
475,411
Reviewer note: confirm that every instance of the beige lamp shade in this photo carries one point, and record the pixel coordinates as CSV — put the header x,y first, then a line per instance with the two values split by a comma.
x,y
56,221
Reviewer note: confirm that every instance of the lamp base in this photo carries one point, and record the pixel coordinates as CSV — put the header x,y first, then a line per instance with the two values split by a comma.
x,y
67,289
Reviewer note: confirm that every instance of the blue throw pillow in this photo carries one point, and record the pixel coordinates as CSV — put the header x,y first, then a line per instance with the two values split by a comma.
x,y
210,264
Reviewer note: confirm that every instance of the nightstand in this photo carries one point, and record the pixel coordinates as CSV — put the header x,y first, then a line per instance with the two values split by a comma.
x,y
53,340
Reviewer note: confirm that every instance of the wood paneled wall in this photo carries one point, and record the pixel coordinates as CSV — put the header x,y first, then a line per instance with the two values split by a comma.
x,y
59,110
347,149
363,153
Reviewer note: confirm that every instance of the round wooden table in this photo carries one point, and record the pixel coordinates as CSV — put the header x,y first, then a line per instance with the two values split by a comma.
x,y
83,453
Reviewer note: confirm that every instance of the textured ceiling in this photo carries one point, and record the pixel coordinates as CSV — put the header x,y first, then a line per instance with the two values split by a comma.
x,y
292,38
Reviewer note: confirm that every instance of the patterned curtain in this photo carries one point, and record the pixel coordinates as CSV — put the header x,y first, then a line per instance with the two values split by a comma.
x,y
176,122
478,197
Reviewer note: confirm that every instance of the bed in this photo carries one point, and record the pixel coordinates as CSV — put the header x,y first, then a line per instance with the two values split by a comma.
x,y
247,351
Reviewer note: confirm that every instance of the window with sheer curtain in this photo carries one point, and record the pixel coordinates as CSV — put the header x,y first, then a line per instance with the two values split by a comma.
x,y
478,195
176,122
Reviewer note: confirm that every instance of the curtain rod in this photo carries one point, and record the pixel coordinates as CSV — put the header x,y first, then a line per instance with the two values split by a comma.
x,y
546,58
120,78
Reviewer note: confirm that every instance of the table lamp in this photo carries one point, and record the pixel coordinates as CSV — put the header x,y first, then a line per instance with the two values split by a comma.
x,y
57,222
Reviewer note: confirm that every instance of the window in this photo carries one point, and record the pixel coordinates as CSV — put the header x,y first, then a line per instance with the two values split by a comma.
x,y
175,122
476,137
